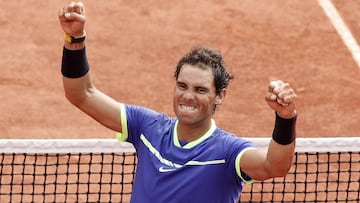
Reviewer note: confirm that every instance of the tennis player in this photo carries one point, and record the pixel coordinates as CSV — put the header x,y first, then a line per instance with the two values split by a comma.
x,y
186,158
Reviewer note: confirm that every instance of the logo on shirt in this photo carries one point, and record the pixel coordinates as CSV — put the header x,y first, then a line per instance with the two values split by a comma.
x,y
165,170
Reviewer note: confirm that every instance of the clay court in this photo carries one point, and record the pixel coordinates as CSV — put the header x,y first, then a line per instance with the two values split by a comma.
x,y
134,46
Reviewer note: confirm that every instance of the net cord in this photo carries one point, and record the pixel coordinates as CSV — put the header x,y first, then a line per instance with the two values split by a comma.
x,y
321,144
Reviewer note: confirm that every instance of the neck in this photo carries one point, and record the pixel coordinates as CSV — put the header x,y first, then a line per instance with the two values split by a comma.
x,y
189,133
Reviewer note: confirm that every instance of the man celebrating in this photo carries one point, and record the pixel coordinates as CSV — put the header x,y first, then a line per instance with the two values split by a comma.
x,y
186,158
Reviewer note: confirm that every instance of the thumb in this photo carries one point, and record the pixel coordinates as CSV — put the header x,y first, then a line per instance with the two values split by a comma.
x,y
74,16
67,15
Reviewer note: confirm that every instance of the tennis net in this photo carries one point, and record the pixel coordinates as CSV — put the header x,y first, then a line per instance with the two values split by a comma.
x,y
102,170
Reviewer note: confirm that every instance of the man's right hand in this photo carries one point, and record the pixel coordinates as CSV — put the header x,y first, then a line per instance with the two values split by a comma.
x,y
72,19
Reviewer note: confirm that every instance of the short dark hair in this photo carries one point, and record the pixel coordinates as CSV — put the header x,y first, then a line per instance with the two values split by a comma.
x,y
205,57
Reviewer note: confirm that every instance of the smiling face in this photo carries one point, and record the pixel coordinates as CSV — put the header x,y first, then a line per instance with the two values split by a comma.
x,y
195,96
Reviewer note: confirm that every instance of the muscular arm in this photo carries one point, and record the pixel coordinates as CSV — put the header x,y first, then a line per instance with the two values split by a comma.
x,y
261,165
78,86
82,93
278,159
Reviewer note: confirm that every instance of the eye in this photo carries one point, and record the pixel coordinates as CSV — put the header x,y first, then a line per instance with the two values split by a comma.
x,y
201,90
181,86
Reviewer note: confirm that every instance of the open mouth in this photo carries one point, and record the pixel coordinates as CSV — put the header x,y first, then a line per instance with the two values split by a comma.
x,y
187,108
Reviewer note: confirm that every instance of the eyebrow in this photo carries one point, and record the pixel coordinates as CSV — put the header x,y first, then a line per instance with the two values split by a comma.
x,y
195,87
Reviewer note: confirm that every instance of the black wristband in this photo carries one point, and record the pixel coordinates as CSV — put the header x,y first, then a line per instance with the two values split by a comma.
x,y
74,63
284,131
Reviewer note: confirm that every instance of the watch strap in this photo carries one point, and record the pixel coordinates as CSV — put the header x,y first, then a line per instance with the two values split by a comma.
x,y
75,39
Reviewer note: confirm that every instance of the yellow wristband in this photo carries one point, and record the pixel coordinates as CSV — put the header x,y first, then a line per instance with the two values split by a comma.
x,y
75,39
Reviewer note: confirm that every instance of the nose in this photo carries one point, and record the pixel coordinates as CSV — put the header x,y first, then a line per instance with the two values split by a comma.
x,y
188,95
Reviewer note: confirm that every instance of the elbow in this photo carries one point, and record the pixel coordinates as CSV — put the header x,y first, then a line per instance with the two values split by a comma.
x,y
77,96
280,171
274,172
75,99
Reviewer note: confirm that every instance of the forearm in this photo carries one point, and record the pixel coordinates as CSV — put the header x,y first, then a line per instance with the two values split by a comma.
x,y
75,71
280,158
77,89
282,146
81,92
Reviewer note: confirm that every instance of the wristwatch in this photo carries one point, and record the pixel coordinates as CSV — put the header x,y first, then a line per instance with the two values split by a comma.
x,y
75,39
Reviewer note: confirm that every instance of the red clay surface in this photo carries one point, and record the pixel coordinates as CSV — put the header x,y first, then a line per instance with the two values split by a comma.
x,y
133,48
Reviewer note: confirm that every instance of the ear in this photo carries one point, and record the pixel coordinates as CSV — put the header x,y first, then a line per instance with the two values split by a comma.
x,y
220,98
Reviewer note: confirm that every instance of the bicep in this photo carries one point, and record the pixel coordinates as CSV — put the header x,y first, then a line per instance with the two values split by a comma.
x,y
103,109
262,165
83,94
254,164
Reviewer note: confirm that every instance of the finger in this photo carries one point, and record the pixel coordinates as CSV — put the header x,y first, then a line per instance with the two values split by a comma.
x,y
285,95
282,93
274,84
277,91
73,9
271,96
72,4
61,13
69,8
79,8
282,101
64,15
74,16
285,92
66,11
290,98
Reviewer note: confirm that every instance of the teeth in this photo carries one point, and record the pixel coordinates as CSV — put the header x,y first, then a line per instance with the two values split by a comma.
x,y
187,108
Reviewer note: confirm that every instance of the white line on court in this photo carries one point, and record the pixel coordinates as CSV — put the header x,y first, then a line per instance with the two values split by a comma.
x,y
341,28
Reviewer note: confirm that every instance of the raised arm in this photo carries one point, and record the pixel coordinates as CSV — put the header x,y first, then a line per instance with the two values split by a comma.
x,y
277,161
78,86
